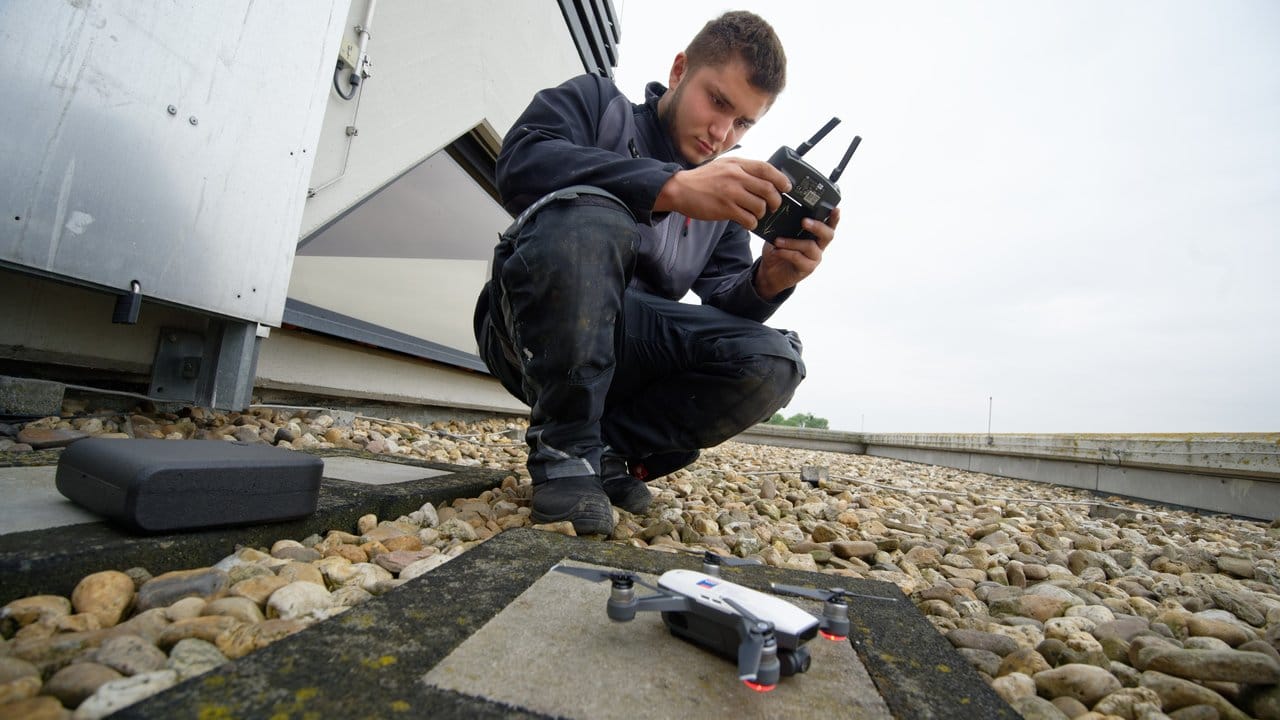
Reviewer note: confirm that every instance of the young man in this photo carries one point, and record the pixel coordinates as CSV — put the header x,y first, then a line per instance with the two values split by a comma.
x,y
622,210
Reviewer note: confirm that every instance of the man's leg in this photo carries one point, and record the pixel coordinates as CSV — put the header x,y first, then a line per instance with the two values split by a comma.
x,y
558,304
691,377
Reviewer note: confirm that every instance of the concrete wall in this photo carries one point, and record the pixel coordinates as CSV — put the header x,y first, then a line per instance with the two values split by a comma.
x,y
1229,473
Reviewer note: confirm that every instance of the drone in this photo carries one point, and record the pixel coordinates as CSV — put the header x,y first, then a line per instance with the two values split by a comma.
x,y
766,635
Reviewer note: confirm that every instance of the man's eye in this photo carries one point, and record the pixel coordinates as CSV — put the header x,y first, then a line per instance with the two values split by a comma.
x,y
715,100
742,124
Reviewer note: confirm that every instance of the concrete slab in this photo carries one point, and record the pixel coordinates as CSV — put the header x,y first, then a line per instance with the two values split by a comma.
x,y
42,552
30,397
369,661
32,501
553,650
375,472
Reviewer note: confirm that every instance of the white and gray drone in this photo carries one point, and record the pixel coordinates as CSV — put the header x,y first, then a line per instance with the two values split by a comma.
x,y
766,635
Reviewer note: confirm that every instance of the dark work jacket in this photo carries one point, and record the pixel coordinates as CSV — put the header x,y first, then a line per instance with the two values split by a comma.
x,y
586,132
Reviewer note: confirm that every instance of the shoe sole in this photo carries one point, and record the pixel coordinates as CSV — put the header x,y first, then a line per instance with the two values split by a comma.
x,y
586,520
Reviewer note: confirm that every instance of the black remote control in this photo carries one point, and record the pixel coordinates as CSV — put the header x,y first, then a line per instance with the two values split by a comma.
x,y
812,195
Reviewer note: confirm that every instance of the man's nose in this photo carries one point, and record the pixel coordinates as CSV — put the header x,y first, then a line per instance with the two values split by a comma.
x,y
720,129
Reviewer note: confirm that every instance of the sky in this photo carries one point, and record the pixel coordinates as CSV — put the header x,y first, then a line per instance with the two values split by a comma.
x,y
1064,215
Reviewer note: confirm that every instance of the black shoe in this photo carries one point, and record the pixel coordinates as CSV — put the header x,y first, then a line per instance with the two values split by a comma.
x,y
623,489
579,500
662,464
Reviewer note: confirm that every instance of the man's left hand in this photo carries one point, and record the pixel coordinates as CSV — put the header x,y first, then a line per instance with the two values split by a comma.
x,y
787,261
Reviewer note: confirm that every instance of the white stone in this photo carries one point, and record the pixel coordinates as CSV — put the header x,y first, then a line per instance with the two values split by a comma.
x,y
423,566
297,599
117,694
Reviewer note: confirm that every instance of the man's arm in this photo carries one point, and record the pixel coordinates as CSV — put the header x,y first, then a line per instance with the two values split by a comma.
x,y
726,282
552,146
731,188
733,283
788,260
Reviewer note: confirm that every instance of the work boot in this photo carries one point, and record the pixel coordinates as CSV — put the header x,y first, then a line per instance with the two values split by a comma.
x,y
579,500
662,464
624,490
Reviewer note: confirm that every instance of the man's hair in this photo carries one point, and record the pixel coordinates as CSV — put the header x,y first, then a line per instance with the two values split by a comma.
x,y
747,36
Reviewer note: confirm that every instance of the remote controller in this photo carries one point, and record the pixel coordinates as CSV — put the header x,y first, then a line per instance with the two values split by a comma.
x,y
812,194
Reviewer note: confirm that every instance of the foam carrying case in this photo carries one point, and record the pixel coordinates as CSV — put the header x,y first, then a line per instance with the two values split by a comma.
x,y
166,485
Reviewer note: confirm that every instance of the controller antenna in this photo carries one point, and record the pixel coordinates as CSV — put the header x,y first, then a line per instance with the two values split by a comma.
x,y
808,144
835,174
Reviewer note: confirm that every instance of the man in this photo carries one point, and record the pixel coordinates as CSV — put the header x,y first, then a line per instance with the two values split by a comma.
x,y
623,209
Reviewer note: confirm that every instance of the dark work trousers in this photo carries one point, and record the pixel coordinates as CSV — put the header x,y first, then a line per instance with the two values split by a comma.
x,y
602,364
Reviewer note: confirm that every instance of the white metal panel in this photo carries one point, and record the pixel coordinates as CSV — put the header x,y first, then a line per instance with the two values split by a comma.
x,y
439,70
169,143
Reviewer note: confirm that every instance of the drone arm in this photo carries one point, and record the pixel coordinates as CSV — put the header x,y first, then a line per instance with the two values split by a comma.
x,y
664,603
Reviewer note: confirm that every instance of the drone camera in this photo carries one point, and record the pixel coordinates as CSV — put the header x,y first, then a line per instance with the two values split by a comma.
x,y
795,662
812,194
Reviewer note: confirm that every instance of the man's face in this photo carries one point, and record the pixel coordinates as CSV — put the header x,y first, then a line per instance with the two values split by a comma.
x,y
709,109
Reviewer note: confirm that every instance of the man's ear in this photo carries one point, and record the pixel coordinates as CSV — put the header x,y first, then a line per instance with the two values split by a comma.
x,y
679,67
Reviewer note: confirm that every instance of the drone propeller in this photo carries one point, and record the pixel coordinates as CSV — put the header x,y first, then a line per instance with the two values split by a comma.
x,y
711,562
617,577
835,608
829,595
758,665
623,603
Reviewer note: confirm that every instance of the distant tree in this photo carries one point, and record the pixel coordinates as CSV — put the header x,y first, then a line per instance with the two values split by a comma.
x,y
799,420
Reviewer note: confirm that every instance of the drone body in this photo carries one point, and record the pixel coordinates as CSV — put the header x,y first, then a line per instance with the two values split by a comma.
x,y
765,634
713,623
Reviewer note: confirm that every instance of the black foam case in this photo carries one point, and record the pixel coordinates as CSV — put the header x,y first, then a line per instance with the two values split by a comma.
x,y
165,485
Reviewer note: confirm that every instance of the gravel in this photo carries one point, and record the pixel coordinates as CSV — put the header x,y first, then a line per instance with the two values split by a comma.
x,y
1066,604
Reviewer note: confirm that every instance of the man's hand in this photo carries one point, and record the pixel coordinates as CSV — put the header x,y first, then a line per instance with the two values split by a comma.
x,y
789,260
726,189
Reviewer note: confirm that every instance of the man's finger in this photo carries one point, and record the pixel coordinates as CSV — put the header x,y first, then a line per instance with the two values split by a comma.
x,y
743,217
769,173
764,190
753,204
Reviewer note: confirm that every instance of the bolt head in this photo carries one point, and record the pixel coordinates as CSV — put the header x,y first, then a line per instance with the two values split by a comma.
x,y
173,110
193,120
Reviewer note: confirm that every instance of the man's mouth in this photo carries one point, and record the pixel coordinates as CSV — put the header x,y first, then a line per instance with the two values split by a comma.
x,y
704,148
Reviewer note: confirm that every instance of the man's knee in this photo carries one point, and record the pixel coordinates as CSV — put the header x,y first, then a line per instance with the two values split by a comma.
x,y
769,373
771,380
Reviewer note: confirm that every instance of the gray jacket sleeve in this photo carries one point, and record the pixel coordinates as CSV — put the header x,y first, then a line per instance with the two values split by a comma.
x,y
552,146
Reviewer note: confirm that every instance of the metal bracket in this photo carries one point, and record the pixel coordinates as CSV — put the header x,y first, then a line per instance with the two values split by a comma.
x,y
175,371
213,369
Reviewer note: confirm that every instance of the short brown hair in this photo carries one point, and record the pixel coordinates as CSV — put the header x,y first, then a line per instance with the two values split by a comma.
x,y
749,37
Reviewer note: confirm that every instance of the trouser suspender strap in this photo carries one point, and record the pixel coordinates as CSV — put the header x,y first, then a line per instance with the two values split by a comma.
x,y
569,193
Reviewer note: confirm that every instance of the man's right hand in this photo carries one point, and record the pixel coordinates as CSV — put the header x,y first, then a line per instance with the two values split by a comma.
x,y
734,189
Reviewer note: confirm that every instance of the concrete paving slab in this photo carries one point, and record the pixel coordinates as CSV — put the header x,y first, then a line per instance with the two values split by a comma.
x,y
375,472
31,501
369,661
554,651
41,553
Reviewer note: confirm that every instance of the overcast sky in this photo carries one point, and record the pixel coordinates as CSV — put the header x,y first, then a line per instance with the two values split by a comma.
x,y
1070,207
